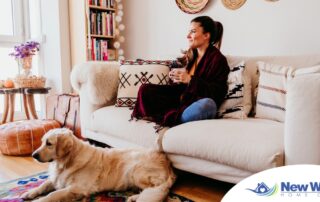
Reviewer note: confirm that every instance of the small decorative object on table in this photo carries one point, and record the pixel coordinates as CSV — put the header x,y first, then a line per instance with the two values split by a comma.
x,y
33,81
8,83
23,54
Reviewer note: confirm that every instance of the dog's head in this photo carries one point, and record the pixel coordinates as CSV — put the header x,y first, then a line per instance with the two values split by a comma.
x,y
56,144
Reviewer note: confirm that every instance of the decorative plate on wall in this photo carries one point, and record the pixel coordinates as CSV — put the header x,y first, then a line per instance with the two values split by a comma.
x,y
191,6
233,4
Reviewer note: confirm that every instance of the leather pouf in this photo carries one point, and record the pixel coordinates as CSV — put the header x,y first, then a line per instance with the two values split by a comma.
x,y
23,137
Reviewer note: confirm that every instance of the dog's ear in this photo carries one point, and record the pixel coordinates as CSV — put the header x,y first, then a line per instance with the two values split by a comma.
x,y
64,144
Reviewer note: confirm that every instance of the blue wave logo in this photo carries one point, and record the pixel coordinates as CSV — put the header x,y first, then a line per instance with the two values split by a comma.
x,y
263,190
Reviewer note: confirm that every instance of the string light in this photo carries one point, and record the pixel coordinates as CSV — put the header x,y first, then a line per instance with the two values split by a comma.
x,y
120,52
118,18
116,45
121,27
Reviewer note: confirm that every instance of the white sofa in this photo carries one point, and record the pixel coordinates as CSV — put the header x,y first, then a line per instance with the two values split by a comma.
x,y
223,149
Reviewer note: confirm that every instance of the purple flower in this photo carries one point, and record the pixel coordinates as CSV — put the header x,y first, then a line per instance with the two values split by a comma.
x,y
25,50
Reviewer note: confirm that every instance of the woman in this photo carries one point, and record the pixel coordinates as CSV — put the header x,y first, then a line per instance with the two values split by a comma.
x,y
198,90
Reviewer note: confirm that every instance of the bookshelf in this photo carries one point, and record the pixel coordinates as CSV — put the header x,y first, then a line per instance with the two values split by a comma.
x,y
101,29
102,8
93,30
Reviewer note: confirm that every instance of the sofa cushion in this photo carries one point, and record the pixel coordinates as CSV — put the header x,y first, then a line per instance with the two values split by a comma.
x,y
114,121
302,128
305,71
251,70
135,73
226,142
237,103
208,168
272,90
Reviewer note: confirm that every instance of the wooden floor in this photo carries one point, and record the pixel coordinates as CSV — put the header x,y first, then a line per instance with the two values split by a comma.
x,y
191,186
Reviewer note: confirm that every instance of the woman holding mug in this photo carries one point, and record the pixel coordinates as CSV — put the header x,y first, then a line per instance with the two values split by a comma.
x,y
200,86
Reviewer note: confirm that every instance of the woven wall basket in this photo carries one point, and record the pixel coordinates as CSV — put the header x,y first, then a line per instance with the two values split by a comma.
x,y
191,6
233,4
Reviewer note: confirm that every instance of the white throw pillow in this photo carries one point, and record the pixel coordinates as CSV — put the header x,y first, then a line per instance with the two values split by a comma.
x,y
302,128
133,74
237,103
272,90
305,70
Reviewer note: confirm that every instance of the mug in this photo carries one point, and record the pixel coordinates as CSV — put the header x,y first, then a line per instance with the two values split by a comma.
x,y
174,71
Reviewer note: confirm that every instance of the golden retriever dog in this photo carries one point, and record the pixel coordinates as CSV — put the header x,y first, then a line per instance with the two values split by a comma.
x,y
78,169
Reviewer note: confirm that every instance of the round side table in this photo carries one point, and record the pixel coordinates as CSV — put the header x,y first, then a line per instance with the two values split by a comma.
x,y
28,101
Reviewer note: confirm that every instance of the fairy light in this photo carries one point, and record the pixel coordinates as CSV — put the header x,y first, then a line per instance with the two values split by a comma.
x,y
121,27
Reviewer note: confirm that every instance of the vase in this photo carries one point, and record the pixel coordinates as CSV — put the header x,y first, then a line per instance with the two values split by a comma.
x,y
25,65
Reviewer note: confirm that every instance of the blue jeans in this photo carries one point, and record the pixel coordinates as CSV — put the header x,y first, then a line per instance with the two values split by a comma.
x,y
204,108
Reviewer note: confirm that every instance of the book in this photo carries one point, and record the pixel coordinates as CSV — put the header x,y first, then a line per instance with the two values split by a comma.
x,y
104,50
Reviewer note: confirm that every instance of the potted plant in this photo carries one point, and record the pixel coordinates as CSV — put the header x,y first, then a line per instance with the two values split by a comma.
x,y
23,54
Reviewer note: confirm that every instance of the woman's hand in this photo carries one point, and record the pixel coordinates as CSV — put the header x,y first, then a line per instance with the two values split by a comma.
x,y
179,75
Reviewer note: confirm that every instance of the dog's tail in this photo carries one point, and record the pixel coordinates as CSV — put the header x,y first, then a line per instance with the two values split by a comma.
x,y
157,193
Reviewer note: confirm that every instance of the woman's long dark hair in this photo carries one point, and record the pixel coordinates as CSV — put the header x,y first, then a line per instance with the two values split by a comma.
x,y
215,29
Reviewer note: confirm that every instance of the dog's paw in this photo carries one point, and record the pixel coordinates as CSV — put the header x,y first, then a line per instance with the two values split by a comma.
x,y
29,195
133,198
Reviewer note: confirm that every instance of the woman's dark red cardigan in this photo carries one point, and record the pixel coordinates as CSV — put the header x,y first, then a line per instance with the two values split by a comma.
x,y
164,104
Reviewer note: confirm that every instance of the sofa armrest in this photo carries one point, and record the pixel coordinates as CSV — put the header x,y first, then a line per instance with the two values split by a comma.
x,y
97,84
101,80
302,122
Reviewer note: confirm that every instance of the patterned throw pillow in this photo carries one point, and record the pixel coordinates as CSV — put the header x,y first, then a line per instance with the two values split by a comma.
x,y
272,90
237,103
135,73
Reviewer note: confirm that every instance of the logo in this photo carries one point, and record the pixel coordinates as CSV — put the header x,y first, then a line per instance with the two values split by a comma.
x,y
296,183
263,190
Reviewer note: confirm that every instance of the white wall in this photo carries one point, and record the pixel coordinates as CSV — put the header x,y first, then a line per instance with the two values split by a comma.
x,y
56,48
157,29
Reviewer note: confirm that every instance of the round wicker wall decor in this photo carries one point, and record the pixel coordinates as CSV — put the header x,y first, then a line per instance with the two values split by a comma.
x,y
233,4
191,6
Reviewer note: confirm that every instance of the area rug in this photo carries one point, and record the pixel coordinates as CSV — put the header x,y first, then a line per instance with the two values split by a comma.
x,y
10,191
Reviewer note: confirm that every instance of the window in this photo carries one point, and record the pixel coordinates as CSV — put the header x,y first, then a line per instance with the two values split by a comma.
x,y
20,22
6,20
